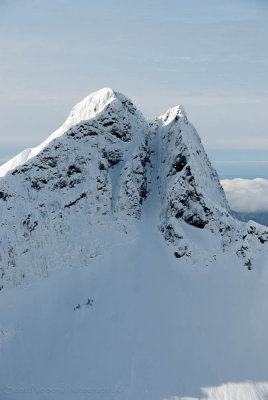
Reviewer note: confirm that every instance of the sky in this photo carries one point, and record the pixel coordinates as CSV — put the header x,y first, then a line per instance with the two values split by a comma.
x,y
211,56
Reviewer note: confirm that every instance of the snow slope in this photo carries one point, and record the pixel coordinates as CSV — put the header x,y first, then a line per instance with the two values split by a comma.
x,y
158,328
123,274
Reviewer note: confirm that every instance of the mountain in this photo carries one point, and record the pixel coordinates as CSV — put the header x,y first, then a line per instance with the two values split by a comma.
x,y
259,216
123,272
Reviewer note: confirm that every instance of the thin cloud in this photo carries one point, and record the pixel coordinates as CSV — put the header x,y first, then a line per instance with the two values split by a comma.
x,y
192,59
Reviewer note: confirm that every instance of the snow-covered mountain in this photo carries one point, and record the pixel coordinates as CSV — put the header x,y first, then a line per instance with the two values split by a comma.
x,y
118,257
260,217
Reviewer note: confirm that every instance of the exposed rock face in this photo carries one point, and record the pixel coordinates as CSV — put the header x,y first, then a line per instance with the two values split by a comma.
x,y
95,173
51,203
189,186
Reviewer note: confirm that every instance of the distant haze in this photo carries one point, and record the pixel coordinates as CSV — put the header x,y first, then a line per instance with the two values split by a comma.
x,y
211,56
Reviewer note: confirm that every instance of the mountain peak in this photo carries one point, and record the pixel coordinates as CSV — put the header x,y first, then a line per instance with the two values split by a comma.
x,y
106,167
92,104
174,113
152,269
86,109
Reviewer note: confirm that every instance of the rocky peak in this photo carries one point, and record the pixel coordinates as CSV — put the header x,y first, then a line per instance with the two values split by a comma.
x,y
98,170
104,106
173,114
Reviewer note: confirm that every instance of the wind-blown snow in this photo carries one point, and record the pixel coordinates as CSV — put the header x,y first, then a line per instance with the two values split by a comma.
x,y
123,273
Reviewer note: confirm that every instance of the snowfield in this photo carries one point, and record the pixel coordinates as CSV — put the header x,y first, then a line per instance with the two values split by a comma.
x,y
123,273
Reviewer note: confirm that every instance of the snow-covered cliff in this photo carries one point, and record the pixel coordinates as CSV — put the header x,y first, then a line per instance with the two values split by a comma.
x,y
93,176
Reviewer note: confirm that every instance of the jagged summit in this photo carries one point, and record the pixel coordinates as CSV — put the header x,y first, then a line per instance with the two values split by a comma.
x,y
87,109
107,168
173,114
94,104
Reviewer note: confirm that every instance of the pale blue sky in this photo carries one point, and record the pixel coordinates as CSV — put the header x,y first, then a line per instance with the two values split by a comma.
x,y
210,55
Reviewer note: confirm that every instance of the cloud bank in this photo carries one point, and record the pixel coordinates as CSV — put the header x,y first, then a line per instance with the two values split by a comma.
x,y
246,195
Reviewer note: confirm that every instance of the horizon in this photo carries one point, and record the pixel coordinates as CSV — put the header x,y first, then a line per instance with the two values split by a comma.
x,y
210,57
